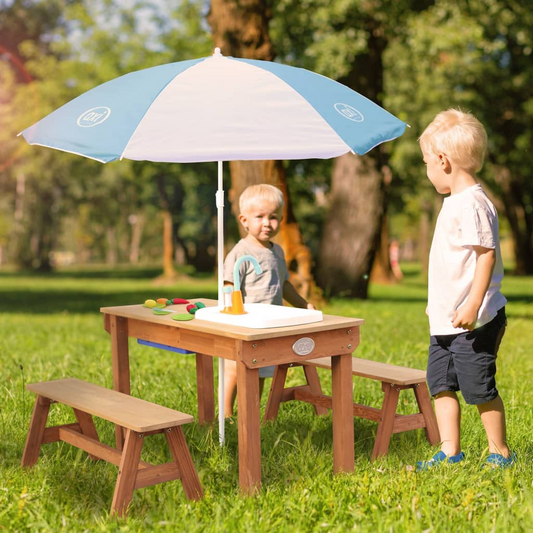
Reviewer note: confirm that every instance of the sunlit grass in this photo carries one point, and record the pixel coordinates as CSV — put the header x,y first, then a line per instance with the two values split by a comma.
x,y
51,327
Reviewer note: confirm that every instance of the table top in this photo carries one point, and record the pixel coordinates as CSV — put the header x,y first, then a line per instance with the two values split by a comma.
x,y
139,312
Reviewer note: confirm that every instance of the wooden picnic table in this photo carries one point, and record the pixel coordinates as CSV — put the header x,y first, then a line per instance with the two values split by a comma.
x,y
252,349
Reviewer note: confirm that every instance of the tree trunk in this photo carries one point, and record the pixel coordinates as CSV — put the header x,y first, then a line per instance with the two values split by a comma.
x,y
352,231
382,268
169,273
352,228
111,254
240,29
520,220
168,247
137,225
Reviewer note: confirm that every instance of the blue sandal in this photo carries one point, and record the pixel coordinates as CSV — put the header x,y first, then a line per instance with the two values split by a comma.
x,y
497,460
438,459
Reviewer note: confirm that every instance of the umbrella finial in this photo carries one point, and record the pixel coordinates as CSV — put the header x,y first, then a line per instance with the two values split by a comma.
x,y
217,52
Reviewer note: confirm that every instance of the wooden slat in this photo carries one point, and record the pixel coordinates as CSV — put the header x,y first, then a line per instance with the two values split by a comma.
x,y
359,410
276,392
182,457
426,409
51,434
194,341
313,381
386,423
36,432
126,411
141,313
277,351
127,473
205,388
86,423
93,447
120,358
408,422
342,398
157,474
249,429
399,375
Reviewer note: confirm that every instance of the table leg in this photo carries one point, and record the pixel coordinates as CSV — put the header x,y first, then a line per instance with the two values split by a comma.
x,y
342,398
249,428
205,388
121,364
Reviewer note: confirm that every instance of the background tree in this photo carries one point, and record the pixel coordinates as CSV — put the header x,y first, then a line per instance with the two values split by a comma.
x,y
475,55
240,29
346,41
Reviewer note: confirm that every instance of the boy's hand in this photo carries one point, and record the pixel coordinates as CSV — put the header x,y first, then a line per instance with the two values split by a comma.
x,y
465,317
311,306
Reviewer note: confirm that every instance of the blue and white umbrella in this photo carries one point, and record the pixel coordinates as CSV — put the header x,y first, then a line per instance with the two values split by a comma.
x,y
217,109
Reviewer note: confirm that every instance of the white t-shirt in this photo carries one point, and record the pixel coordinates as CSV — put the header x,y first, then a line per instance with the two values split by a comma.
x,y
466,219
265,288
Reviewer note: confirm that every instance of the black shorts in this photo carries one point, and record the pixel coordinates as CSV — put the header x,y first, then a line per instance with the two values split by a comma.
x,y
467,361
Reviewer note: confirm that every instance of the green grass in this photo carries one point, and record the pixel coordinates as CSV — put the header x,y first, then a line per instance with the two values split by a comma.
x,y
51,327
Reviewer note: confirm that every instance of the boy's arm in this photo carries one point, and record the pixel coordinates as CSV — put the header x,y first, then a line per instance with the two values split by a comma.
x,y
466,316
290,294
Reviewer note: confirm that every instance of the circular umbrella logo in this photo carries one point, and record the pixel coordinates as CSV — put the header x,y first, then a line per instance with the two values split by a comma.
x,y
349,112
93,117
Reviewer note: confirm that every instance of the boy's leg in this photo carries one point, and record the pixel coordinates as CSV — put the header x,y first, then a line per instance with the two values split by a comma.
x,y
230,386
493,418
448,413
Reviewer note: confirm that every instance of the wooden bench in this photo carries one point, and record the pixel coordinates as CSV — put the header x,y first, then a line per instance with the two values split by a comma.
x,y
138,418
393,379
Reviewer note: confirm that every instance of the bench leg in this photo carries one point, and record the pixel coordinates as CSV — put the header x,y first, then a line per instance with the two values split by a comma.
x,y
182,457
127,473
426,408
87,426
276,392
311,376
386,421
36,431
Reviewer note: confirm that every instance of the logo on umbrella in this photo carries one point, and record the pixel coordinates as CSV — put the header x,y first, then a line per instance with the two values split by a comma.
x,y
349,112
93,117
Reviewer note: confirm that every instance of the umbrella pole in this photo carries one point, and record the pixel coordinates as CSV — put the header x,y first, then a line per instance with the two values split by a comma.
x,y
220,232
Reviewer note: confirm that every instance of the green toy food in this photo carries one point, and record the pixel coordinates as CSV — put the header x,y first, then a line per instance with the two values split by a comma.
x,y
182,317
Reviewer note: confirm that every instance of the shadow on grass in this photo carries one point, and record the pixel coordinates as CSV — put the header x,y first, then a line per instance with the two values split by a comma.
x,y
45,302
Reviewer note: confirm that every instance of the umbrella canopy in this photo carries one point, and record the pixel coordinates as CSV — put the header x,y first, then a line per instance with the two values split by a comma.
x,y
217,109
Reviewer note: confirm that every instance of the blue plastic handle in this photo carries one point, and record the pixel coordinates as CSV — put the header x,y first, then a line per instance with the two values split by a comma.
x,y
236,277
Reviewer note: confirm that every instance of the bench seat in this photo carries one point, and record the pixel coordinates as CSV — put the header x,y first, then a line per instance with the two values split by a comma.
x,y
137,417
393,379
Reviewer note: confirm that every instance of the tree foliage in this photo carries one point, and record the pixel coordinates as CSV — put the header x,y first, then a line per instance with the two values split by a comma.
x,y
476,55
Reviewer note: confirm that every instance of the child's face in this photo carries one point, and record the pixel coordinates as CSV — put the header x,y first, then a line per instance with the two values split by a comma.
x,y
262,221
437,166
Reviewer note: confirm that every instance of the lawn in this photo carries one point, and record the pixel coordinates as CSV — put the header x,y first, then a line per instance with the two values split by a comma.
x,y
51,327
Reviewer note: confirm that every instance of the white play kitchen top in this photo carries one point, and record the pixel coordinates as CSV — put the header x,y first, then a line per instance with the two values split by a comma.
x,y
259,316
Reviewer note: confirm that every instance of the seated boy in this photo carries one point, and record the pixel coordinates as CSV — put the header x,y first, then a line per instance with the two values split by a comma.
x,y
261,211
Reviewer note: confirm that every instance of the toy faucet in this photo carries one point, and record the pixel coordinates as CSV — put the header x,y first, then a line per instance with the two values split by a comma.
x,y
237,304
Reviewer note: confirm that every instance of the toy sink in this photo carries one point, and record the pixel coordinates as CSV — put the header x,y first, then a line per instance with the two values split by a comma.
x,y
260,316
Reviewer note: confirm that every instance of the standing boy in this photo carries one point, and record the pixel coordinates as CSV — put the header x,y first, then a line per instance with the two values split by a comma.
x,y
465,306
261,211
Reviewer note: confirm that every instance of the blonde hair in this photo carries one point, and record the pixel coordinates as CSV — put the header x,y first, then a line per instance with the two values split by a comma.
x,y
255,194
458,135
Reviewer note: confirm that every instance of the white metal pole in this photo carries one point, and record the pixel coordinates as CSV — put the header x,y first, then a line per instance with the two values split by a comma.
x,y
220,223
